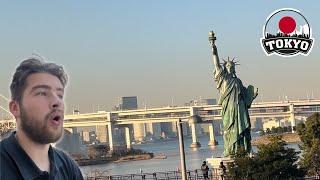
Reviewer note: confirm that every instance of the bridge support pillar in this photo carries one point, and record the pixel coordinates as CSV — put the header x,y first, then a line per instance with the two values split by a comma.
x,y
195,142
212,140
110,136
128,142
292,117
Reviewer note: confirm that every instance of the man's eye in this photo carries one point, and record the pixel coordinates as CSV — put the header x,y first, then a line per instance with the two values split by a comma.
x,y
42,93
60,96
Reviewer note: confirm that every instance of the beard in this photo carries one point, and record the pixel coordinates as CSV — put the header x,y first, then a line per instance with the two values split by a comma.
x,y
39,131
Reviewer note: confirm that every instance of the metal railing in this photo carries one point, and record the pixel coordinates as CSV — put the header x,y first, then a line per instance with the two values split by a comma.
x,y
168,175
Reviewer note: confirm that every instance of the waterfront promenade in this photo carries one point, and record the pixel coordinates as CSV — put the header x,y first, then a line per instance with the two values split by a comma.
x,y
171,175
194,158
168,175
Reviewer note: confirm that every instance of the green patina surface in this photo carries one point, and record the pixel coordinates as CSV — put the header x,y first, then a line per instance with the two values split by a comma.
x,y
235,100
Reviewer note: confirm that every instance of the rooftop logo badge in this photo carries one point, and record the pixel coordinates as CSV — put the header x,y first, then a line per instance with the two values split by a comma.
x,y
287,33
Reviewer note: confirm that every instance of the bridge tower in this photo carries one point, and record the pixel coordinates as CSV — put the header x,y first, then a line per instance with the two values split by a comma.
x,y
195,143
292,117
110,134
127,134
212,140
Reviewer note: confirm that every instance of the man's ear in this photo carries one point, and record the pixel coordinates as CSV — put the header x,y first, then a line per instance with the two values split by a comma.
x,y
14,108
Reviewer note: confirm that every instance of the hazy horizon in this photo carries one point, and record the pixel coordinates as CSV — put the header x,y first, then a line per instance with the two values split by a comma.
x,y
155,50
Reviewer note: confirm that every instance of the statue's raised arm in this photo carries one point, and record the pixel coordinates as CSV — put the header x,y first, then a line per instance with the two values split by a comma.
x,y
215,56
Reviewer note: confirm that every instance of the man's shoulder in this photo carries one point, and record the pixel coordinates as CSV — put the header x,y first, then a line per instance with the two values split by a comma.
x,y
5,139
60,152
9,168
5,143
62,156
2,144
68,164
3,148
3,151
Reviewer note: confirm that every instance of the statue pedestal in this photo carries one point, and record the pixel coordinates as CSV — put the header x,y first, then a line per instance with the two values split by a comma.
x,y
215,162
195,145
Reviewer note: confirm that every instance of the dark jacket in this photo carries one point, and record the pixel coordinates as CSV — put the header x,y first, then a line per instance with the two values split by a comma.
x,y
16,164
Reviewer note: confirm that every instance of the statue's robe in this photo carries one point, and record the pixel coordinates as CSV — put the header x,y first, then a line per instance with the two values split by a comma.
x,y
235,100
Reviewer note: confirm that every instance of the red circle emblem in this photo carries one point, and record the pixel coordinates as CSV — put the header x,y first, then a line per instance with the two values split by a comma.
x,y
287,24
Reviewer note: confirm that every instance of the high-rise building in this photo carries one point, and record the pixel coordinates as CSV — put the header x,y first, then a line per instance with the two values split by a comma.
x,y
70,142
129,103
256,124
168,129
139,131
119,138
271,123
101,132
153,130
218,127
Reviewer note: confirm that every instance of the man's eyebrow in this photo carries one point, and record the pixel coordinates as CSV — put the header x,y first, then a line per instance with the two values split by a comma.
x,y
43,86
60,89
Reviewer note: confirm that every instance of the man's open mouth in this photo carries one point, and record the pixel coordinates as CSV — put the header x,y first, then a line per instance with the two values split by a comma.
x,y
57,118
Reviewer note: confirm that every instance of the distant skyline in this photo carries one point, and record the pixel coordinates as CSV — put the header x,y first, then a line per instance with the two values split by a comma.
x,y
155,50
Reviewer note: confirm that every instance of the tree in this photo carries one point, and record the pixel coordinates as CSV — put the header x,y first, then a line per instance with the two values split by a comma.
x,y
310,136
277,161
243,166
273,130
279,130
272,161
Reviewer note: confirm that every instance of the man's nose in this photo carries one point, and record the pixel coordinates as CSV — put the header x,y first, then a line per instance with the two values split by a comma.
x,y
55,105
56,102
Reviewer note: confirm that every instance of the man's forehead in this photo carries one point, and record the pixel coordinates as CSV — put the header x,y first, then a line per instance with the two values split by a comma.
x,y
43,80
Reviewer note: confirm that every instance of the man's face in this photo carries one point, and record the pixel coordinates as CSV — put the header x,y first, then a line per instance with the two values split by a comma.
x,y
42,108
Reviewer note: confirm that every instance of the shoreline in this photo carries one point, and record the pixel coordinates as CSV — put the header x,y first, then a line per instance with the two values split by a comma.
x,y
97,161
287,137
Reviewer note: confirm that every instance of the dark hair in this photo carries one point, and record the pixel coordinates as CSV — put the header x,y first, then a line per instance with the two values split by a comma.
x,y
31,66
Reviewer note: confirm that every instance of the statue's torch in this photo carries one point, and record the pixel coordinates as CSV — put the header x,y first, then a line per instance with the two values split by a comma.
x,y
212,38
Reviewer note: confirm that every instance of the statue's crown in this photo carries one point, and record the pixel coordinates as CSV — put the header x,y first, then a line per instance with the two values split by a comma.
x,y
233,62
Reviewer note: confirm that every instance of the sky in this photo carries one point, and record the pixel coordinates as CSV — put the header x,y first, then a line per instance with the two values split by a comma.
x,y
156,50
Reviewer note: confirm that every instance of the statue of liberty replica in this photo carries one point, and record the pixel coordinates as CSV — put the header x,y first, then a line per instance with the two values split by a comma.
x,y
235,100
